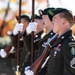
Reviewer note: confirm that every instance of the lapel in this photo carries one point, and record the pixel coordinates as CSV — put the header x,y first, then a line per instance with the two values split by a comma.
x,y
38,36
63,37
49,35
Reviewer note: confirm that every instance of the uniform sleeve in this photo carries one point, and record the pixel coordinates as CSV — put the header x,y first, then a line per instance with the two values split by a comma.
x,y
69,59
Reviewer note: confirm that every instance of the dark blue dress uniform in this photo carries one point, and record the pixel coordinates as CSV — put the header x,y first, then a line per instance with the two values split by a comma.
x,y
62,56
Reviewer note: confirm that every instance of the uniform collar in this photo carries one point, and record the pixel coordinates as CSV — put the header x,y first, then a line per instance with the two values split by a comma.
x,y
62,37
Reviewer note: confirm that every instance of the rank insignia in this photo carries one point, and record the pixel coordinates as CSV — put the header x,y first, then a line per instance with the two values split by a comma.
x,y
72,45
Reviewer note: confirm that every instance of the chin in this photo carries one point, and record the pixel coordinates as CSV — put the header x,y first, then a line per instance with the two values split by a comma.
x,y
54,31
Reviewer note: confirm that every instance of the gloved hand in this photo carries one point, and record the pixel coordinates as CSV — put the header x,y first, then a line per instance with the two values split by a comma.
x,y
28,71
18,27
27,68
31,27
3,54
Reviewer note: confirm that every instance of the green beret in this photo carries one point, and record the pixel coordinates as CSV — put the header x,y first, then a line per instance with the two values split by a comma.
x,y
47,11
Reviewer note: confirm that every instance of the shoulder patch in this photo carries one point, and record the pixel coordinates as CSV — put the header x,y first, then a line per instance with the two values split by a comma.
x,y
73,50
72,46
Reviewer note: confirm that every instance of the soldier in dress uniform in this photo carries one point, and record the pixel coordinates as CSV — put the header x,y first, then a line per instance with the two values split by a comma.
x,y
27,40
7,67
40,42
24,48
62,60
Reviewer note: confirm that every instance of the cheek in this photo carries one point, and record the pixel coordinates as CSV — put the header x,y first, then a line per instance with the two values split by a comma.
x,y
52,26
24,26
37,26
44,21
56,27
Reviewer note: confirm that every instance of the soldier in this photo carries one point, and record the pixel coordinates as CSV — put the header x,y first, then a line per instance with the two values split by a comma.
x,y
27,42
46,15
62,53
24,47
25,20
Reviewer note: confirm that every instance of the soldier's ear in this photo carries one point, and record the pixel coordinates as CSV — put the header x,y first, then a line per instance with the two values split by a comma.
x,y
64,21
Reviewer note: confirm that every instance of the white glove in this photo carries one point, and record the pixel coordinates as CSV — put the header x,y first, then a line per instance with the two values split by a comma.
x,y
31,27
28,71
9,32
18,27
3,54
27,68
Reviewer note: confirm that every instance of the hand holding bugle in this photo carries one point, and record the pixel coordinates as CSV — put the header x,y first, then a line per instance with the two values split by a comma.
x,y
36,66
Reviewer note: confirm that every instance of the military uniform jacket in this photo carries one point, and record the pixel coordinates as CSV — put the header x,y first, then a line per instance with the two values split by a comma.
x,y
42,42
38,41
62,56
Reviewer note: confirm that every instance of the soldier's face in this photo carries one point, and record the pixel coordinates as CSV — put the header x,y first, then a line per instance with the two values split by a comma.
x,y
25,24
57,22
47,22
40,24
